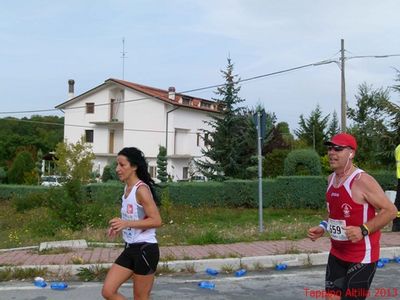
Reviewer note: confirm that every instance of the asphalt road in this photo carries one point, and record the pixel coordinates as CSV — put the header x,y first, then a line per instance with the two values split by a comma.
x,y
294,283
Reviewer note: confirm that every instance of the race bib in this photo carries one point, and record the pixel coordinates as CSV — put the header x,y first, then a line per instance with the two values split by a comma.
x,y
336,229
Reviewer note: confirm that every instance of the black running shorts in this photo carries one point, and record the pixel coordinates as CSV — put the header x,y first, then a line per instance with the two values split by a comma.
x,y
347,279
141,258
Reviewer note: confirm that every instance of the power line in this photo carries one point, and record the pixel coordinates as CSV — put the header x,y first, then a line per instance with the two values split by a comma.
x,y
87,127
182,92
315,64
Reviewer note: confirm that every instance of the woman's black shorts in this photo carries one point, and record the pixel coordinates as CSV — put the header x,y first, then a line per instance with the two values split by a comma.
x,y
141,258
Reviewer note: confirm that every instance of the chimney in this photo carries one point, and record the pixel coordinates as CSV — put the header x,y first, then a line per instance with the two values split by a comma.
x,y
71,83
171,93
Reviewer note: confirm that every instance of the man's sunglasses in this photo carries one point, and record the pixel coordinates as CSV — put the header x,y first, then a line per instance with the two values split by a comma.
x,y
336,148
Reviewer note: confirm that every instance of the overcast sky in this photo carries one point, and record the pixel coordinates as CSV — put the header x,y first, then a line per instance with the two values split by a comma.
x,y
185,43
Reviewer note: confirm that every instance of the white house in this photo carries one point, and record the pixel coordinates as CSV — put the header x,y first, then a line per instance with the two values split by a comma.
x,y
119,114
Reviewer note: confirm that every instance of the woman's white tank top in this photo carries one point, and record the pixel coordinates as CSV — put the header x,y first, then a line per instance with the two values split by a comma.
x,y
133,211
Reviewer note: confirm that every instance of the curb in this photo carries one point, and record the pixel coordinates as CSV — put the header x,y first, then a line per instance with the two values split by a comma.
x,y
250,263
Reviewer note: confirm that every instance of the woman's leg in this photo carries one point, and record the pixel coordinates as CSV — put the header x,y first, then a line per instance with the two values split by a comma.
x,y
142,285
116,276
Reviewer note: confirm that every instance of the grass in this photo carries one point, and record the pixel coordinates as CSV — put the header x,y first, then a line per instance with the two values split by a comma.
x,y
183,226
94,272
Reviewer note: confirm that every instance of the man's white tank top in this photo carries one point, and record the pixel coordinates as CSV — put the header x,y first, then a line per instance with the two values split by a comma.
x,y
131,210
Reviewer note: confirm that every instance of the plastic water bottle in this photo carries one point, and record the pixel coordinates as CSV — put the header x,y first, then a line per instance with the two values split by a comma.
x,y
240,272
281,267
58,285
384,260
39,282
207,285
380,264
212,272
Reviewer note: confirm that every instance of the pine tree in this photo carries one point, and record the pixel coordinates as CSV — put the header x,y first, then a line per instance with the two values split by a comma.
x,y
334,127
162,174
232,140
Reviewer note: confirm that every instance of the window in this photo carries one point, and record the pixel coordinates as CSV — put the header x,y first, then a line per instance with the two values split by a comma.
x,y
90,108
185,172
153,171
205,104
89,134
186,100
206,139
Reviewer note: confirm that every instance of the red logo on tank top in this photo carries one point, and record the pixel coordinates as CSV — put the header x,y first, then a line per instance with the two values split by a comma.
x,y
346,210
130,209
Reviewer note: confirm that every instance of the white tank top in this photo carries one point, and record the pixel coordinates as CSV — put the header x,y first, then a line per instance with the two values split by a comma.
x,y
133,211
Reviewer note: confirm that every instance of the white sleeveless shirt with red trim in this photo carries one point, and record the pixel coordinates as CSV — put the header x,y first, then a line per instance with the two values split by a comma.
x,y
133,211
343,211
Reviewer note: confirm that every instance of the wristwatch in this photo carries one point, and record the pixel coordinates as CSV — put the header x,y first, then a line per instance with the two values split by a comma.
x,y
364,230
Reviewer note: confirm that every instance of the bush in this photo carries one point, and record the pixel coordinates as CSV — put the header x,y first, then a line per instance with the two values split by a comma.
x,y
3,175
302,162
106,174
109,172
299,192
21,168
387,179
29,201
8,191
109,193
274,162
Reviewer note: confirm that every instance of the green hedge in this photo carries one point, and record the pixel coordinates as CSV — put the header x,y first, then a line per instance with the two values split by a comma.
x,y
299,192
7,191
282,192
387,179
108,192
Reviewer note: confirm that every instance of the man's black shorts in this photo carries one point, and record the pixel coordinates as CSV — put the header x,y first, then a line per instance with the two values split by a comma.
x,y
347,279
141,258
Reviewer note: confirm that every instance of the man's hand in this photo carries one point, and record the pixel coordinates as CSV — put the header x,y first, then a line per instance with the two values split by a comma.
x,y
353,233
315,232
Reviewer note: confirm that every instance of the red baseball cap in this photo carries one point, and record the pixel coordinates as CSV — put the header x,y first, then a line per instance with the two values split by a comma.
x,y
343,139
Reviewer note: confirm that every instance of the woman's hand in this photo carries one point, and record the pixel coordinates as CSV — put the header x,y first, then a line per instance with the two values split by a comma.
x,y
111,233
117,224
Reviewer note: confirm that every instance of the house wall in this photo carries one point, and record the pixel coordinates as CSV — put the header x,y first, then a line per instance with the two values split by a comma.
x,y
143,123
144,127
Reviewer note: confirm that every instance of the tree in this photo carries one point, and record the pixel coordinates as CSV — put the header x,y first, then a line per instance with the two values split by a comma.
x,y
369,126
162,174
280,138
333,127
232,139
37,132
75,160
393,110
22,169
313,130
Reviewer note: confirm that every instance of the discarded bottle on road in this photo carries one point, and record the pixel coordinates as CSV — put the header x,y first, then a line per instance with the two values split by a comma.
x,y
281,267
380,264
240,272
212,272
58,285
207,285
39,282
384,260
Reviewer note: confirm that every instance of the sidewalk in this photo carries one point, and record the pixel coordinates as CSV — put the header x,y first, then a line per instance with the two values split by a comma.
x,y
299,252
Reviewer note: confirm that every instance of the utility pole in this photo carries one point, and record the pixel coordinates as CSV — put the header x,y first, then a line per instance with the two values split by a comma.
x,y
259,119
343,88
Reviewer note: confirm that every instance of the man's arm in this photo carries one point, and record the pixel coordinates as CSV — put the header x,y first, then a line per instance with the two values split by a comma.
x,y
366,189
